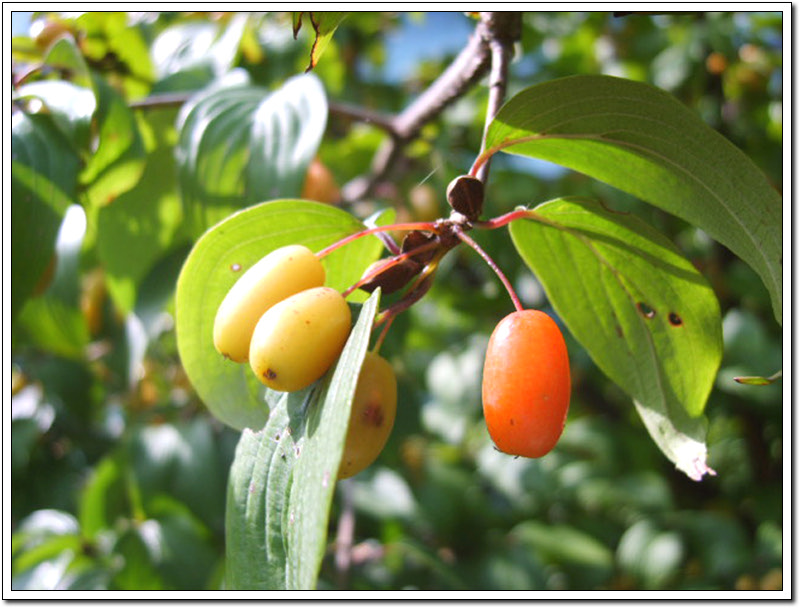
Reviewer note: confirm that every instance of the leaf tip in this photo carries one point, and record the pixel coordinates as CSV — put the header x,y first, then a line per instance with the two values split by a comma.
x,y
697,468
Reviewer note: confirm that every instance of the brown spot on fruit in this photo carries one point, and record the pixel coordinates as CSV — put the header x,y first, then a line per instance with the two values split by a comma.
x,y
373,415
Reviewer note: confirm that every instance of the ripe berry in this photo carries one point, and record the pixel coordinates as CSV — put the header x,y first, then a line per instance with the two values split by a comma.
x,y
278,275
297,340
371,415
526,384
320,184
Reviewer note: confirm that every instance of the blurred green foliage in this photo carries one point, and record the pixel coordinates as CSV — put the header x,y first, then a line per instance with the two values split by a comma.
x,y
118,471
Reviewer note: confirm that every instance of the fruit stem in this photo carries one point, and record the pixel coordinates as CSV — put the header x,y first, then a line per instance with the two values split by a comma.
x,y
375,229
486,258
388,264
387,323
502,220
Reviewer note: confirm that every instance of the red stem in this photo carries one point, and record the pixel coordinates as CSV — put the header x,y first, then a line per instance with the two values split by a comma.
x,y
388,264
379,342
507,218
486,258
352,237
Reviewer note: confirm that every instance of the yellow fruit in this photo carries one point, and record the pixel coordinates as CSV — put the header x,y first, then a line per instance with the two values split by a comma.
x,y
298,339
278,275
371,415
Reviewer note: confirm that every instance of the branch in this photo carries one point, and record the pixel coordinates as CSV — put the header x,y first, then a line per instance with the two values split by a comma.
x,y
504,32
495,29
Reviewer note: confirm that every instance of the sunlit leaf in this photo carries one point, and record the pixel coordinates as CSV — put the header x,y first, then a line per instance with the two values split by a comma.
x,y
643,141
283,476
70,106
230,390
646,316
44,171
142,223
117,162
242,144
324,25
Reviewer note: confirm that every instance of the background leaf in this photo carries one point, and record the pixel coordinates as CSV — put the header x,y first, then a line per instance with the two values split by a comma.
x,y
229,390
117,160
646,316
242,144
44,169
71,107
143,222
283,477
643,141
324,24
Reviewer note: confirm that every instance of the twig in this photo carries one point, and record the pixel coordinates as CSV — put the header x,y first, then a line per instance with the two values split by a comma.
x,y
362,115
465,71
501,42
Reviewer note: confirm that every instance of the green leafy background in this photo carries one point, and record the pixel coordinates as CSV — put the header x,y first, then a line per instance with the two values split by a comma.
x,y
119,472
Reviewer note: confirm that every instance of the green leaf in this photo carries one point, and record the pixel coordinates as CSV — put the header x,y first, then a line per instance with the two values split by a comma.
x,y
324,24
141,225
43,176
116,164
198,46
641,140
65,55
283,477
645,315
759,380
564,543
230,390
651,555
70,106
243,144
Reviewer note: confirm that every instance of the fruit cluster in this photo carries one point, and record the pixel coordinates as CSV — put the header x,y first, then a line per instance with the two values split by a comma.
x,y
291,329
280,317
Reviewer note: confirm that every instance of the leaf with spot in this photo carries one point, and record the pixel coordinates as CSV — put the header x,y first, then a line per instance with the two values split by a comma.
x,y
230,390
283,477
645,315
641,140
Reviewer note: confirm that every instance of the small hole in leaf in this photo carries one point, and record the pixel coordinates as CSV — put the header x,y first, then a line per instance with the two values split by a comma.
x,y
236,267
675,319
646,310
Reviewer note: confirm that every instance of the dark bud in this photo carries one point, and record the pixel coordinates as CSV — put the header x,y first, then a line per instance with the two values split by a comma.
x,y
393,278
416,239
465,195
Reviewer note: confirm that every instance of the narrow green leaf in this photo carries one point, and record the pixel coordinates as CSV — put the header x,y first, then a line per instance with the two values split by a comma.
x,y
243,144
641,140
759,380
645,315
230,390
282,479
